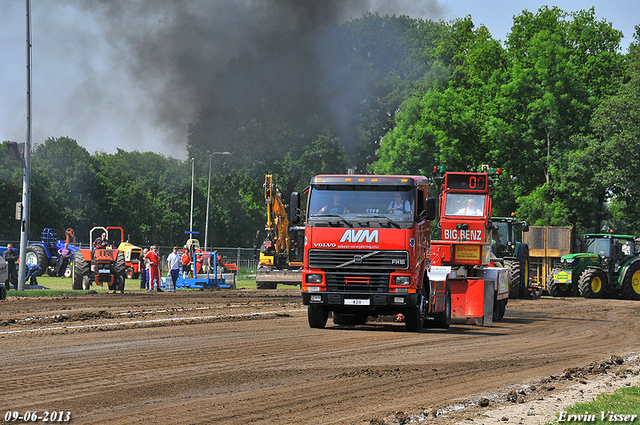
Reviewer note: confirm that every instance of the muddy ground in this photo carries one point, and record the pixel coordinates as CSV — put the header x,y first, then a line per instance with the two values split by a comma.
x,y
247,356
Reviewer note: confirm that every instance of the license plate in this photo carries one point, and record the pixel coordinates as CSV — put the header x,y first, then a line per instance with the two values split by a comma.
x,y
357,302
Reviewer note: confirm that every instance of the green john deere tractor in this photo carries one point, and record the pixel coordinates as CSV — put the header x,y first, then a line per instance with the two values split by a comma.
x,y
608,265
507,246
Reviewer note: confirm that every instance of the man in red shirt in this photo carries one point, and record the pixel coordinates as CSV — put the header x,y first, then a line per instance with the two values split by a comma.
x,y
154,269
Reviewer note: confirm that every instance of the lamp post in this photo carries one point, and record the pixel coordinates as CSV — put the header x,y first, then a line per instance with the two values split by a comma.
x,y
206,226
26,177
191,215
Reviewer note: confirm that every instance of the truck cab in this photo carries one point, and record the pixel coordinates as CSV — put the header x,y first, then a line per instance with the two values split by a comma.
x,y
366,251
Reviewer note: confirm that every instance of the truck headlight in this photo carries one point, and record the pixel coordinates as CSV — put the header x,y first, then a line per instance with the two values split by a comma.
x,y
403,280
314,278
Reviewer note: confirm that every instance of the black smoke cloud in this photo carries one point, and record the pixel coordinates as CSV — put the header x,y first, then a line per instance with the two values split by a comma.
x,y
171,51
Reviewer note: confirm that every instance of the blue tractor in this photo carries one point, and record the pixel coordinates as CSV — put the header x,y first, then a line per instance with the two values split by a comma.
x,y
45,253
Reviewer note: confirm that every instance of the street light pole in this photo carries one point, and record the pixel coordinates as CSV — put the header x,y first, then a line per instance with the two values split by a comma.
x,y
191,215
24,222
206,226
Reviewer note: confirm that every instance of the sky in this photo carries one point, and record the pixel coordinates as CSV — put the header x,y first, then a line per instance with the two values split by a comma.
x,y
132,74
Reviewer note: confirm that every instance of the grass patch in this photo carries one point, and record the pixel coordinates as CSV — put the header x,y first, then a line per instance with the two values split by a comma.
x,y
57,286
623,403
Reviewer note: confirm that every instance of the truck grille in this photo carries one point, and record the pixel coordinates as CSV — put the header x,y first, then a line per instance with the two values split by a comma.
x,y
360,282
358,270
358,260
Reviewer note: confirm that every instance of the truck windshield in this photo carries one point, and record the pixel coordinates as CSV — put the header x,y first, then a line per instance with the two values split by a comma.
x,y
365,201
464,204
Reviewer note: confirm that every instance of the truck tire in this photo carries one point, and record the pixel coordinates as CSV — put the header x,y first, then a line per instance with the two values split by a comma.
x,y
37,255
349,319
557,289
499,308
80,269
68,271
318,316
592,283
631,282
414,317
515,277
443,320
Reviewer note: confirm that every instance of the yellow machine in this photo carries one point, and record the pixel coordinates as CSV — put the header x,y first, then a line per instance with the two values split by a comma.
x,y
282,251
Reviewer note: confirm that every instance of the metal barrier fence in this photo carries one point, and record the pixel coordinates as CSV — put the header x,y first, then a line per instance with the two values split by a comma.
x,y
243,257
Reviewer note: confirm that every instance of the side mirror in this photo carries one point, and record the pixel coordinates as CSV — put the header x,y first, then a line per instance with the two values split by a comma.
x,y
430,208
294,208
525,226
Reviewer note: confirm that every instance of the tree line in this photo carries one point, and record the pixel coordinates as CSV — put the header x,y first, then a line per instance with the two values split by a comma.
x,y
555,106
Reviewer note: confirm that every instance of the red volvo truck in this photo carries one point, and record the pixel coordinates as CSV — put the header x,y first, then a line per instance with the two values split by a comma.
x,y
366,251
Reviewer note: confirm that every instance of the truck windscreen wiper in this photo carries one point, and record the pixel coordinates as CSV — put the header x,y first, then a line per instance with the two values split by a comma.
x,y
377,217
338,216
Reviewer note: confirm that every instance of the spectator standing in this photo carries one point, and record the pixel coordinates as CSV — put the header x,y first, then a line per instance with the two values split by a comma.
x,y
186,261
173,261
143,269
154,268
64,256
11,256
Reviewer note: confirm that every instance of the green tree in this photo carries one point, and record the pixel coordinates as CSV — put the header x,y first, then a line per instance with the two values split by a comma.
x,y
63,187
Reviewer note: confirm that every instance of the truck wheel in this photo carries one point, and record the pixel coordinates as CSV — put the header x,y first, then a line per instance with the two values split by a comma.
x,y
592,283
130,274
317,316
631,283
499,308
557,289
68,271
349,319
80,270
415,316
37,255
443,320
515,277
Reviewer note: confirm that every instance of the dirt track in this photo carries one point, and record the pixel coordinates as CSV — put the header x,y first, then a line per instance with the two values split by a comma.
x,y
249,356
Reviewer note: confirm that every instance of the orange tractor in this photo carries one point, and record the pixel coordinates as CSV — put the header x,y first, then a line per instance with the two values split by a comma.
x,y
99,264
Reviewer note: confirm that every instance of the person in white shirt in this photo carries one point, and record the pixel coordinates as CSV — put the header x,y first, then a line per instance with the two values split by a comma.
x,y
397,206
470,209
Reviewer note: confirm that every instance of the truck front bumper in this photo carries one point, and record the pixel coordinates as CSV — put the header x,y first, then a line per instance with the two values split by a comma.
x,y
360,301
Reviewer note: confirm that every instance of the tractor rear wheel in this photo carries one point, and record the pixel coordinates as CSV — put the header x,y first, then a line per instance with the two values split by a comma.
x,y
81,269
557,289
592,283
631,282
38,256
120,272
524,272
515,277
317,316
